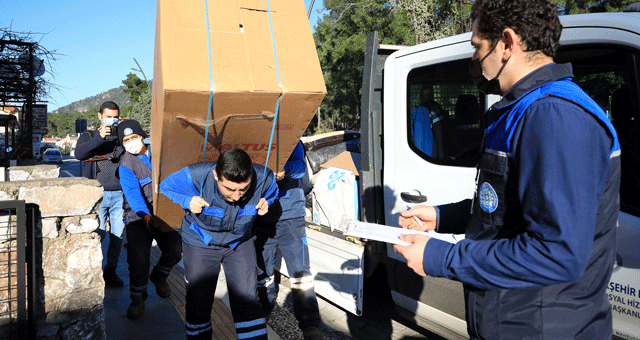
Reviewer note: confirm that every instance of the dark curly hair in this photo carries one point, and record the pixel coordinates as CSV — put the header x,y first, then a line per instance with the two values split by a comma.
x,y
535,21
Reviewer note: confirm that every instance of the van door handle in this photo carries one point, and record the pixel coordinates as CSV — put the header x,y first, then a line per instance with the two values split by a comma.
x,y
413,197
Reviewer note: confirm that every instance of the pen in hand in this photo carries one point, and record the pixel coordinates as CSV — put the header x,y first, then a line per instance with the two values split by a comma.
x,y
416,218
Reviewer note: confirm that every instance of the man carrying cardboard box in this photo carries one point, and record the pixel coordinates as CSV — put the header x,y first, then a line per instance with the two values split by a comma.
x,y
283,227
222,200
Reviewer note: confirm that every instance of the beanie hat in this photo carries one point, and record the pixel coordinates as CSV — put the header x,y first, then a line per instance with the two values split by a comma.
x,y
129,127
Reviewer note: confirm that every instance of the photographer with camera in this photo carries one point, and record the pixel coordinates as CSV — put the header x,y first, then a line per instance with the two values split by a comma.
x,y
100,154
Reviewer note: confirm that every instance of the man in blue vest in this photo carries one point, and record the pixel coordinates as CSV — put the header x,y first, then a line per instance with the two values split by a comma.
x,y
222,200
136,180
283,227
540,238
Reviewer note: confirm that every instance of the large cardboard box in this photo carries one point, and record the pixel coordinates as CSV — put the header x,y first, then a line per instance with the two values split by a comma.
x,y
242,75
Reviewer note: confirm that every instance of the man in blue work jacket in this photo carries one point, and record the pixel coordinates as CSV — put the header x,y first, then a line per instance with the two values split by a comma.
x,y
135,177
283,227
540,239
222,200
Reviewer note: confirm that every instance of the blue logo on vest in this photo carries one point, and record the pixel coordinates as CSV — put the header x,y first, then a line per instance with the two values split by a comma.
x,y
488,198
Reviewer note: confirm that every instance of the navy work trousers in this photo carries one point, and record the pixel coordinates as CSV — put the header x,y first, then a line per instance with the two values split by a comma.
x,y
201,268
290,237
139,241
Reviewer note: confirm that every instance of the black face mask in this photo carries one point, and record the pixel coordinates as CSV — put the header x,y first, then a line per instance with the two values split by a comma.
x,y
485,85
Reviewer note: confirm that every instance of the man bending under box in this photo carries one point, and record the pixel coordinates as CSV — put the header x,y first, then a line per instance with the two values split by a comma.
x,y
222,200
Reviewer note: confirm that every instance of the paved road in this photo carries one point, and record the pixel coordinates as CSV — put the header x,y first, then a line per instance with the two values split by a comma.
x,y
380,320
70,167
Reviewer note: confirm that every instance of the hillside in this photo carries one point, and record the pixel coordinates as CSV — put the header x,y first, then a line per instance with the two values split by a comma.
x,y
115,95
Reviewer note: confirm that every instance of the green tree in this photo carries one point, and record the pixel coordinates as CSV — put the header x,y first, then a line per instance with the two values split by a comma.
x,y
135,87
125,111
435,19
62,124
340,40
52,125
91,116
141,110
592,6
59,124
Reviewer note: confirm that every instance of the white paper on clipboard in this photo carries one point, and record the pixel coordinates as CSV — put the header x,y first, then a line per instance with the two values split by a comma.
x,y
388,234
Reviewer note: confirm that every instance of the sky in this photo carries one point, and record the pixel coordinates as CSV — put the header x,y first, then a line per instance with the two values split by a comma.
x,y
95,40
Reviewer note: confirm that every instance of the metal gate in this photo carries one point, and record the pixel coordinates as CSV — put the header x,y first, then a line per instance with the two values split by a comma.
x,y
17,270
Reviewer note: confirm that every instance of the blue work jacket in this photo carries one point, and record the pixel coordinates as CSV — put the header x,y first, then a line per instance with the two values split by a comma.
x,y
290,203
222,223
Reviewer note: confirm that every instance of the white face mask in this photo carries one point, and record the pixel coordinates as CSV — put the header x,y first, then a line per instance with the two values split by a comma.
x,y
135,146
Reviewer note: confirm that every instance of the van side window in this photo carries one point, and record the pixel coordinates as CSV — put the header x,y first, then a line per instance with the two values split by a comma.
x,y
609,76
444,111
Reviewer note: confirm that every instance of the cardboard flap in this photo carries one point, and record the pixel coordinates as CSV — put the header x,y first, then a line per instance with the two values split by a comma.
x,y
346,160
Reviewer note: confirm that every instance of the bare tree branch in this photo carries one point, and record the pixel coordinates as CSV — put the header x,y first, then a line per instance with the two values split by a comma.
x,y
16,50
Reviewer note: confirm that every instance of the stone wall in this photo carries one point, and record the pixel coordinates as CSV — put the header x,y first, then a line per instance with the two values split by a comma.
x,y
25,173
70,288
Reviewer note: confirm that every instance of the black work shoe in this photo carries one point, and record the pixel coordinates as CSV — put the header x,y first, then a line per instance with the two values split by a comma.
x,y
162,287
111,279
312,333
136,308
